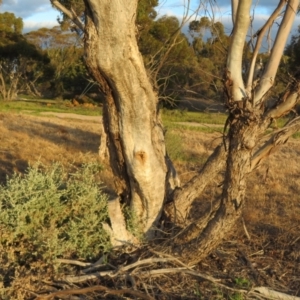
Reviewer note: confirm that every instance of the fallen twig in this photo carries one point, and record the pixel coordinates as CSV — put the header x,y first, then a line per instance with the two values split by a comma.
x,y
145,262
114,273
94,289
177,270
73,262
246,231
260,292
83,278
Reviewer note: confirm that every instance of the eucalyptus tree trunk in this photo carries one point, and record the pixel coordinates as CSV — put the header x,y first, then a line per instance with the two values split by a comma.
x,y
8,87
132,124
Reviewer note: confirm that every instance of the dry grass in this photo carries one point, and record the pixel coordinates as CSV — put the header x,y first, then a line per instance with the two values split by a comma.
x,y
26,139
272,217
272,214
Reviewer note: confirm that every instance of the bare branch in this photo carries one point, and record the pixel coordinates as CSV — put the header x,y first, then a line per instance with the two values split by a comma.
x,y
73,262
149,261
284,107
278,138
268,77
70,13
122,270
271,294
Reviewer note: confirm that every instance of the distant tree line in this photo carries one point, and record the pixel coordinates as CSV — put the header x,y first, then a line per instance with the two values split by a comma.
x,y
50,62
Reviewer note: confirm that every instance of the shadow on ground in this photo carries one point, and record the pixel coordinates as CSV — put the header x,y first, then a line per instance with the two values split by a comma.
x,y
24,140
81,140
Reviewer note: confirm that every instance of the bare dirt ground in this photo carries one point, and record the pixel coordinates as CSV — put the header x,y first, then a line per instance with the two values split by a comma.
x,y
270,256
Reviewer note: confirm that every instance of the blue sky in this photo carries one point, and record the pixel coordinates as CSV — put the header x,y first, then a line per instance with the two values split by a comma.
x,y
39,13
36,14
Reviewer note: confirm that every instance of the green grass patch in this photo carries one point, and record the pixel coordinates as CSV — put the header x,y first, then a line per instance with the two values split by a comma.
x,y
198,117
38,106
201,128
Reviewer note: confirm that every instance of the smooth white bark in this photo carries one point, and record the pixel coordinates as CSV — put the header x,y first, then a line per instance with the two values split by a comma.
x,y
260,35
235,54
268,77
234,7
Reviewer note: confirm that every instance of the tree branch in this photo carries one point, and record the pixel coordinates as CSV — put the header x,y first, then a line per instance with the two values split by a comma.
x,y
178,210
268,77
70,13
260,34
234,8
278,138
284,107
235,54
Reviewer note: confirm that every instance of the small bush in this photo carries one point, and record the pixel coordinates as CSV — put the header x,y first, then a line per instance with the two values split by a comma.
x,y
48,213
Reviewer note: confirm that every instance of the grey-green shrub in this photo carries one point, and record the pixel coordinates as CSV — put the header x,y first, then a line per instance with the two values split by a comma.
x,y
48,213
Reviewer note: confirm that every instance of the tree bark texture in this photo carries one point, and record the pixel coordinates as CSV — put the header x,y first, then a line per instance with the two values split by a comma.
x,y
134,132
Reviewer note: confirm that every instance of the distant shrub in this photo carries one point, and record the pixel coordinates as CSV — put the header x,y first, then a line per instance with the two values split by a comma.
x,y
48,213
